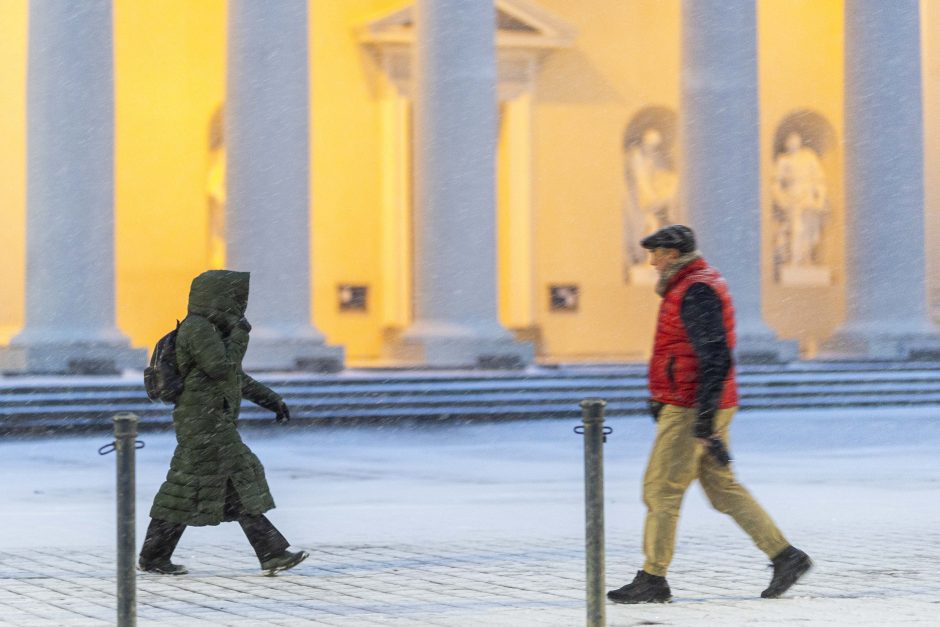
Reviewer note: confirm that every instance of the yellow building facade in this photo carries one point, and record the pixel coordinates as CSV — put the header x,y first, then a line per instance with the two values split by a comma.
x,y
566,136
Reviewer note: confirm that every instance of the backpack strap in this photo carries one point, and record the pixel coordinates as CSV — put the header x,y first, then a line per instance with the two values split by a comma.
x,y
183,373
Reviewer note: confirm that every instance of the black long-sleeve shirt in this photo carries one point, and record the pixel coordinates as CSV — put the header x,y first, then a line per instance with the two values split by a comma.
x,y
701,313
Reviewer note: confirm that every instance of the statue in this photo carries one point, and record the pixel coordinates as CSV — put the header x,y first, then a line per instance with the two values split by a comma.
x,y
652,187
801,204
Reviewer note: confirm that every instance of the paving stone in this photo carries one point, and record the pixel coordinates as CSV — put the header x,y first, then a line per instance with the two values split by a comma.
x,y
491,582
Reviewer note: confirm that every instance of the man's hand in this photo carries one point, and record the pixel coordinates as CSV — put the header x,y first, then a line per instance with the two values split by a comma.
x,y
654,408
716,448
282,413
703,427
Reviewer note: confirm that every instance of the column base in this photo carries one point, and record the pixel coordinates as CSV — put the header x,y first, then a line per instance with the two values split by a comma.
x,y
74,358
459,349
765,348
850,343
292,354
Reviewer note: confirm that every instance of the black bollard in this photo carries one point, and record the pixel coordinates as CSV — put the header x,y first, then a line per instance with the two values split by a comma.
x,y
125,437
595,434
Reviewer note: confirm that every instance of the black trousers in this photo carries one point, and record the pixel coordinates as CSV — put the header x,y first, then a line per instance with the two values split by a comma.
x,y
163,536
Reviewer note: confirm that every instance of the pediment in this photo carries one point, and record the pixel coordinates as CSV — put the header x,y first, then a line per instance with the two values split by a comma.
x,y
519,24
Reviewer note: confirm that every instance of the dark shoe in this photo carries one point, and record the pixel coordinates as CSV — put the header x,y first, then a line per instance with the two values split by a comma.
x,y
646,588
161,567
283,561
789,566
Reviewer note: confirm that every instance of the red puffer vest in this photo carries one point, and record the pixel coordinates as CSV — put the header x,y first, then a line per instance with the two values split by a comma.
x,y
673,373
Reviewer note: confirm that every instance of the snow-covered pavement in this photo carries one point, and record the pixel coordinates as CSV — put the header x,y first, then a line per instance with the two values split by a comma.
x,y
482,524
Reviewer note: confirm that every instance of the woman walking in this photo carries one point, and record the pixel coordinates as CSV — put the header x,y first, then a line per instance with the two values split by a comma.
x,y
214,477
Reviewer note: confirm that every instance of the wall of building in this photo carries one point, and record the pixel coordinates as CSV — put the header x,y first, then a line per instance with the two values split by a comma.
x,y
13,25
170,76
169,82
169,79
930,36
625,58
346,157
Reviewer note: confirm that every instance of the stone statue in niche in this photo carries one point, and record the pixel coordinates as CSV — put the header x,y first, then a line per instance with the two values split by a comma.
x,y
800,210
650,203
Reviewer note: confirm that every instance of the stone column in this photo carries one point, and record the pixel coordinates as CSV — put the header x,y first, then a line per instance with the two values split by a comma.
x,y
721,159
455,296
70,316
268,182
886,297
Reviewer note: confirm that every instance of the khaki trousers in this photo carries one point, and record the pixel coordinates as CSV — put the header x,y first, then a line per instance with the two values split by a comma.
x,y
678,458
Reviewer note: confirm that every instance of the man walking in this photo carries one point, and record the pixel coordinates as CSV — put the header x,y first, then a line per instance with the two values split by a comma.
x,y
693,398
213,476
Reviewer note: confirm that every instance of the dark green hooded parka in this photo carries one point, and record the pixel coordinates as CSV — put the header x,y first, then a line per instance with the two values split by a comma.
x,y
213,476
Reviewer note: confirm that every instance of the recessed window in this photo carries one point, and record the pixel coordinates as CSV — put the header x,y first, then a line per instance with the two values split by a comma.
x,y
563,297
353,297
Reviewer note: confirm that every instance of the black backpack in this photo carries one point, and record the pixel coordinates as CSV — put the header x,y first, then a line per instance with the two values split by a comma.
x,y
163,379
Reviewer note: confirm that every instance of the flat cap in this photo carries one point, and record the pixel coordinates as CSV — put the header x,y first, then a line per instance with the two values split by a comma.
x,y
676,236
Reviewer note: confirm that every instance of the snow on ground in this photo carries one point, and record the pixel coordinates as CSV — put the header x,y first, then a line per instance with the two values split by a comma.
x,y
868,478
447,481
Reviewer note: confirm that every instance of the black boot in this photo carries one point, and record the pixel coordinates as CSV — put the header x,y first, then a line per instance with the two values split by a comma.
x,y
789,566
159,544
161,567
646,588
285,560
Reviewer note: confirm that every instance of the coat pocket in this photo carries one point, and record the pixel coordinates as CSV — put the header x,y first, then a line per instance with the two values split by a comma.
x,y
671,371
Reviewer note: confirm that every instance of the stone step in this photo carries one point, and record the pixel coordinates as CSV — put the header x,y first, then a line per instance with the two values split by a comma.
x,y
66,404
56,402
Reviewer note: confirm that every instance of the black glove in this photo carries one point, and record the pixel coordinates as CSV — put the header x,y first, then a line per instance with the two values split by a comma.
x,y
717,450
703,428
654,408
282,413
